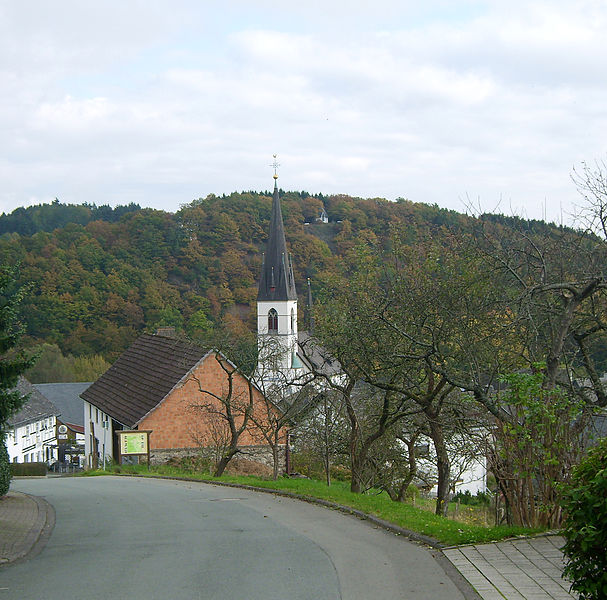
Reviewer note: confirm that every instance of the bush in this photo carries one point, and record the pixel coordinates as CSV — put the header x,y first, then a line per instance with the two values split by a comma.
x,y
5,472
584,501
308,463
481,498
32,469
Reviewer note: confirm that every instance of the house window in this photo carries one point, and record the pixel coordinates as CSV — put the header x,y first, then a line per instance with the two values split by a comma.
x,y
273,321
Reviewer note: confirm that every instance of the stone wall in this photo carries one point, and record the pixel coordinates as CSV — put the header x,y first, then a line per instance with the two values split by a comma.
x,y
259,454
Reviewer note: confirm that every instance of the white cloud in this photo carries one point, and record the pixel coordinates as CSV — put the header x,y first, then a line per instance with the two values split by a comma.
x,y
161,103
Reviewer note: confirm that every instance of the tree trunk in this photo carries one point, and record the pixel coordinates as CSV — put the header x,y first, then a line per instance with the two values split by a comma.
x,y
223,462
275,461
443,466
412,469
327,465
355,460
356,481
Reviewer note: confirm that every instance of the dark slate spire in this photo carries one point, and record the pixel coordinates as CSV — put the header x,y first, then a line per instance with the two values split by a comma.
x,y
277,281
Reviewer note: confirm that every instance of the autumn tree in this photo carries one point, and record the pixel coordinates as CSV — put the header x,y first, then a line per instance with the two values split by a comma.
x,y
410,321
536,448
370,411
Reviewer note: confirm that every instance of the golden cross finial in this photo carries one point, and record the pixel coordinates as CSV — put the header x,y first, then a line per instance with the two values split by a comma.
x,y
275,166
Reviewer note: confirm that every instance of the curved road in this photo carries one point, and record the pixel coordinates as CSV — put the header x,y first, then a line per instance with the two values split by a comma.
x,y
130,538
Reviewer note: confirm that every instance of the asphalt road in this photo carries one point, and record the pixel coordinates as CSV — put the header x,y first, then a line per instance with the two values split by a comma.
x,y
128,538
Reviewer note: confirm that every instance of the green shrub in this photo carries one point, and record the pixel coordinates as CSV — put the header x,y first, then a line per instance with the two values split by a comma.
x,y
481,498
5,472
585,527
311,465
32,469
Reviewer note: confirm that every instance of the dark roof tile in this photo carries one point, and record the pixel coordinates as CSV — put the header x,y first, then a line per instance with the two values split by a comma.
x,y
142,377
37,406
66,397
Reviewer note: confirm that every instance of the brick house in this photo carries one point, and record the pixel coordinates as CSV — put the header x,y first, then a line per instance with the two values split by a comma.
x,y
166,385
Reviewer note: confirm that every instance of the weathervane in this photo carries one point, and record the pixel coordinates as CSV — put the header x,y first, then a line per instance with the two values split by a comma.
x,y
275,166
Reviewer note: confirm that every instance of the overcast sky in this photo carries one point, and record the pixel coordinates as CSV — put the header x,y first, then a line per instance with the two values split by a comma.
x,y
160,102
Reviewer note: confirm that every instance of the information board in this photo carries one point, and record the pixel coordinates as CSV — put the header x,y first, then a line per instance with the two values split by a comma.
x,y
133,442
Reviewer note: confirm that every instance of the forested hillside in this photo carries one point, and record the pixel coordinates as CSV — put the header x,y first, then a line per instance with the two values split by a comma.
x,y
46,217
100,276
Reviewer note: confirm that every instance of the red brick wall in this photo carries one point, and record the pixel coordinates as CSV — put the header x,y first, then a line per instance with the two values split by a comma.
x,y
178,420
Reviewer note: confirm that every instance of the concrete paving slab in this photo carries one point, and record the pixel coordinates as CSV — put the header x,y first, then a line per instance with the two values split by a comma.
x,y
522,569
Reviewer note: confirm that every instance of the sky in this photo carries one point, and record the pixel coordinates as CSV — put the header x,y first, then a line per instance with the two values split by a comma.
x,y
471,105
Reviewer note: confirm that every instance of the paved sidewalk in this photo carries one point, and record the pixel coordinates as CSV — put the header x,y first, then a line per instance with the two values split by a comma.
x,y
521,569
23,520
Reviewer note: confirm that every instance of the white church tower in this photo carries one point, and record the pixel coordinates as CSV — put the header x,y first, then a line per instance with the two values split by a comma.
x,y
277,305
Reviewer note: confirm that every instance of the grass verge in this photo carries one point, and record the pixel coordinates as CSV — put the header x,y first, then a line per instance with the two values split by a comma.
x,y
446,531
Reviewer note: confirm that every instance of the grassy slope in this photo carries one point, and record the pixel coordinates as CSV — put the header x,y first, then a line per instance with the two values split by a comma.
x,y
446,531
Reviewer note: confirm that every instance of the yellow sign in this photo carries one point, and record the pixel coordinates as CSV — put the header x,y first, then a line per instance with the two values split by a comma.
x,y
133,442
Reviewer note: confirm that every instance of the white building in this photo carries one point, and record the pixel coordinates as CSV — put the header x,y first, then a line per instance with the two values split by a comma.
x,y
32,431
70,420
98,437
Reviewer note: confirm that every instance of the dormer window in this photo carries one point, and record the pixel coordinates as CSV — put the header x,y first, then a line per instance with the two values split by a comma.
x,y
273,321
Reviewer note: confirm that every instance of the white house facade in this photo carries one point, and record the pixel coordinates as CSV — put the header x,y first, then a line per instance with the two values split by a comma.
x,y
32,430
98,437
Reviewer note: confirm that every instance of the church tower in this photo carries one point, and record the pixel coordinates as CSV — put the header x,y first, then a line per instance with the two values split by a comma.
x,y
277,303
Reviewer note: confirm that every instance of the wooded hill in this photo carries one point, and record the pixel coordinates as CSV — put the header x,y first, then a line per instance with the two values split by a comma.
x,y
100,276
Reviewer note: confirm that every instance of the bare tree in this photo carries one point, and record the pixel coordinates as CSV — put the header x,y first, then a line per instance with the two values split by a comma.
x,y
232,405
210,432
370,411
321,432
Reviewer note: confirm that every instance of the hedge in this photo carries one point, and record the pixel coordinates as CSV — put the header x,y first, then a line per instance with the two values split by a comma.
x,y
31,469
585,526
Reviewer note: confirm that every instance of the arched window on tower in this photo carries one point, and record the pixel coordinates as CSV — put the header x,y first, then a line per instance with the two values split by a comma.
x,y
272,321
292,320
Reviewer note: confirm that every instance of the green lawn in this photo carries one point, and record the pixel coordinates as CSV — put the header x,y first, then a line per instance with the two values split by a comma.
x,y
446,531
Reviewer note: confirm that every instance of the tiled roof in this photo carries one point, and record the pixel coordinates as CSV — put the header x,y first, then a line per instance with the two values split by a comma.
x,y
315,356
142,377
37,407
66,397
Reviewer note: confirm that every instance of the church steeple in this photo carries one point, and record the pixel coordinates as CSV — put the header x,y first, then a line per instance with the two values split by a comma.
x,y
277,304
277,281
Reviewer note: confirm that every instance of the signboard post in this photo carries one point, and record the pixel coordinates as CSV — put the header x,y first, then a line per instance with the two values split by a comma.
x,y
134,442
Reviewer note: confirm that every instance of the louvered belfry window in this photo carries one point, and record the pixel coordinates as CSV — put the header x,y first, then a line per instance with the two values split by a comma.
x,y
272,321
